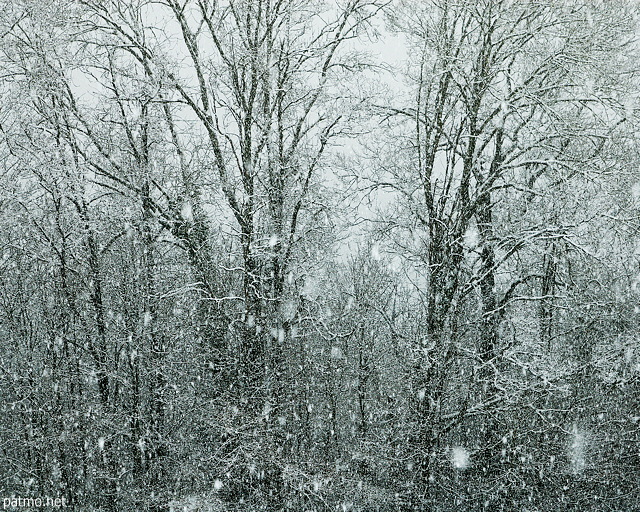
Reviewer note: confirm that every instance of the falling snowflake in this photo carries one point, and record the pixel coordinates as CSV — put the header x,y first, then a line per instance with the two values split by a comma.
x,y
375,252
289,309
186,212
311,287
471,238
577,450
460,457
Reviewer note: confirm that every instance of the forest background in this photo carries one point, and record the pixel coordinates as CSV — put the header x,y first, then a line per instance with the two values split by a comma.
x,y
302,255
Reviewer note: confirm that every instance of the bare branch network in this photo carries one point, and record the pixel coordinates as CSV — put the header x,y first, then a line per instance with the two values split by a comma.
x,y
291,255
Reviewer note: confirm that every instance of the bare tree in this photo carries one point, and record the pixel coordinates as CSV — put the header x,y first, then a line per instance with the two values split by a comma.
x,y
499,110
